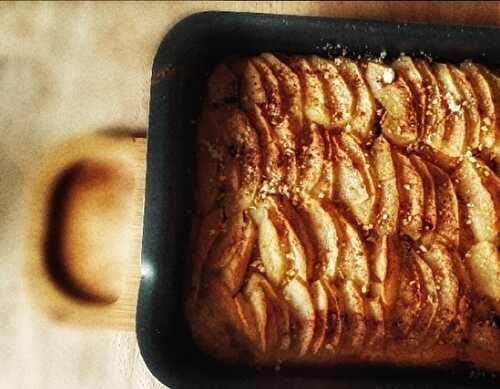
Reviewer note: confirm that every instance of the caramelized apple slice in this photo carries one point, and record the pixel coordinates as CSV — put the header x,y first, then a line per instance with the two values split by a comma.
x,y
481,214
314,99
435,112
320,300
302,232
385,270
494,83
385,176
229,154
290,85
411,195
271,250
361,125
441,263
485,103
409,301
430,302
453,143
335,318
399,122
355,328
283,114
430,211
360,162
447,221
217,326
483,264
302,314
324,187
350,188
230,254
272,108
324,235
310,158
265,322
470,107
341,99
252,98
405,67
353,260
375,328
280,313
246,316
209,229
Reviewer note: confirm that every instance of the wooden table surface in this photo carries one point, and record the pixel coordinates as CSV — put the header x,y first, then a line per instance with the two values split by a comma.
x,y
68,69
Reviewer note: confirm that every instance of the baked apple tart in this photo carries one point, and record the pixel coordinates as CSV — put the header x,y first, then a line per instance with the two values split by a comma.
x,y
348,211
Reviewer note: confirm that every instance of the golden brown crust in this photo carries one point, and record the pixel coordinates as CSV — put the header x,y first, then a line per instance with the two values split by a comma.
x,y
320,241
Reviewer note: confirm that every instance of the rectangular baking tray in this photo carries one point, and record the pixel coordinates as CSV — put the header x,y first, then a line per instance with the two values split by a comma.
x,y
182,63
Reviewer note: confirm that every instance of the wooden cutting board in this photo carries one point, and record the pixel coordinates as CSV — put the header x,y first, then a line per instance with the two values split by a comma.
x,y
68,69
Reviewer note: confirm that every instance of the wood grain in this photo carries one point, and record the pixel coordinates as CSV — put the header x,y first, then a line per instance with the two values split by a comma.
x,y
74,68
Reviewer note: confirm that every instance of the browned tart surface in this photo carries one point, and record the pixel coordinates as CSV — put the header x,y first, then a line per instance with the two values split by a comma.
x,y
348,211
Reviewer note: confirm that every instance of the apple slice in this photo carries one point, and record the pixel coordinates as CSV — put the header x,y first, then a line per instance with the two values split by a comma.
x,y
360,162
483,264
353,259
298,263
405,67
271,250
350,188
324,187
355,326
335,318
217,325
361,125
272,110
435,112
280,313
265,321
252,98
341,98
246,316
470,107
314,99
430,300
491,182
384,260
375,328
302,232
409,302
485,103
283,110
411,195
323,233
447,221
494,83
310,158
290,85
320,300
399,122
454,138
209,229
480,208
430,211
441,263
231,252
385,178
302,314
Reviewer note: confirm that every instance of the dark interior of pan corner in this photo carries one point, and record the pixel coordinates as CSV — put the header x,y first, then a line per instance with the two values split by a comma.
x,y
181,66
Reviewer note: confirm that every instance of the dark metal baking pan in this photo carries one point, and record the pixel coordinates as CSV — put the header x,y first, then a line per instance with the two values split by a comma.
x,y
182,63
